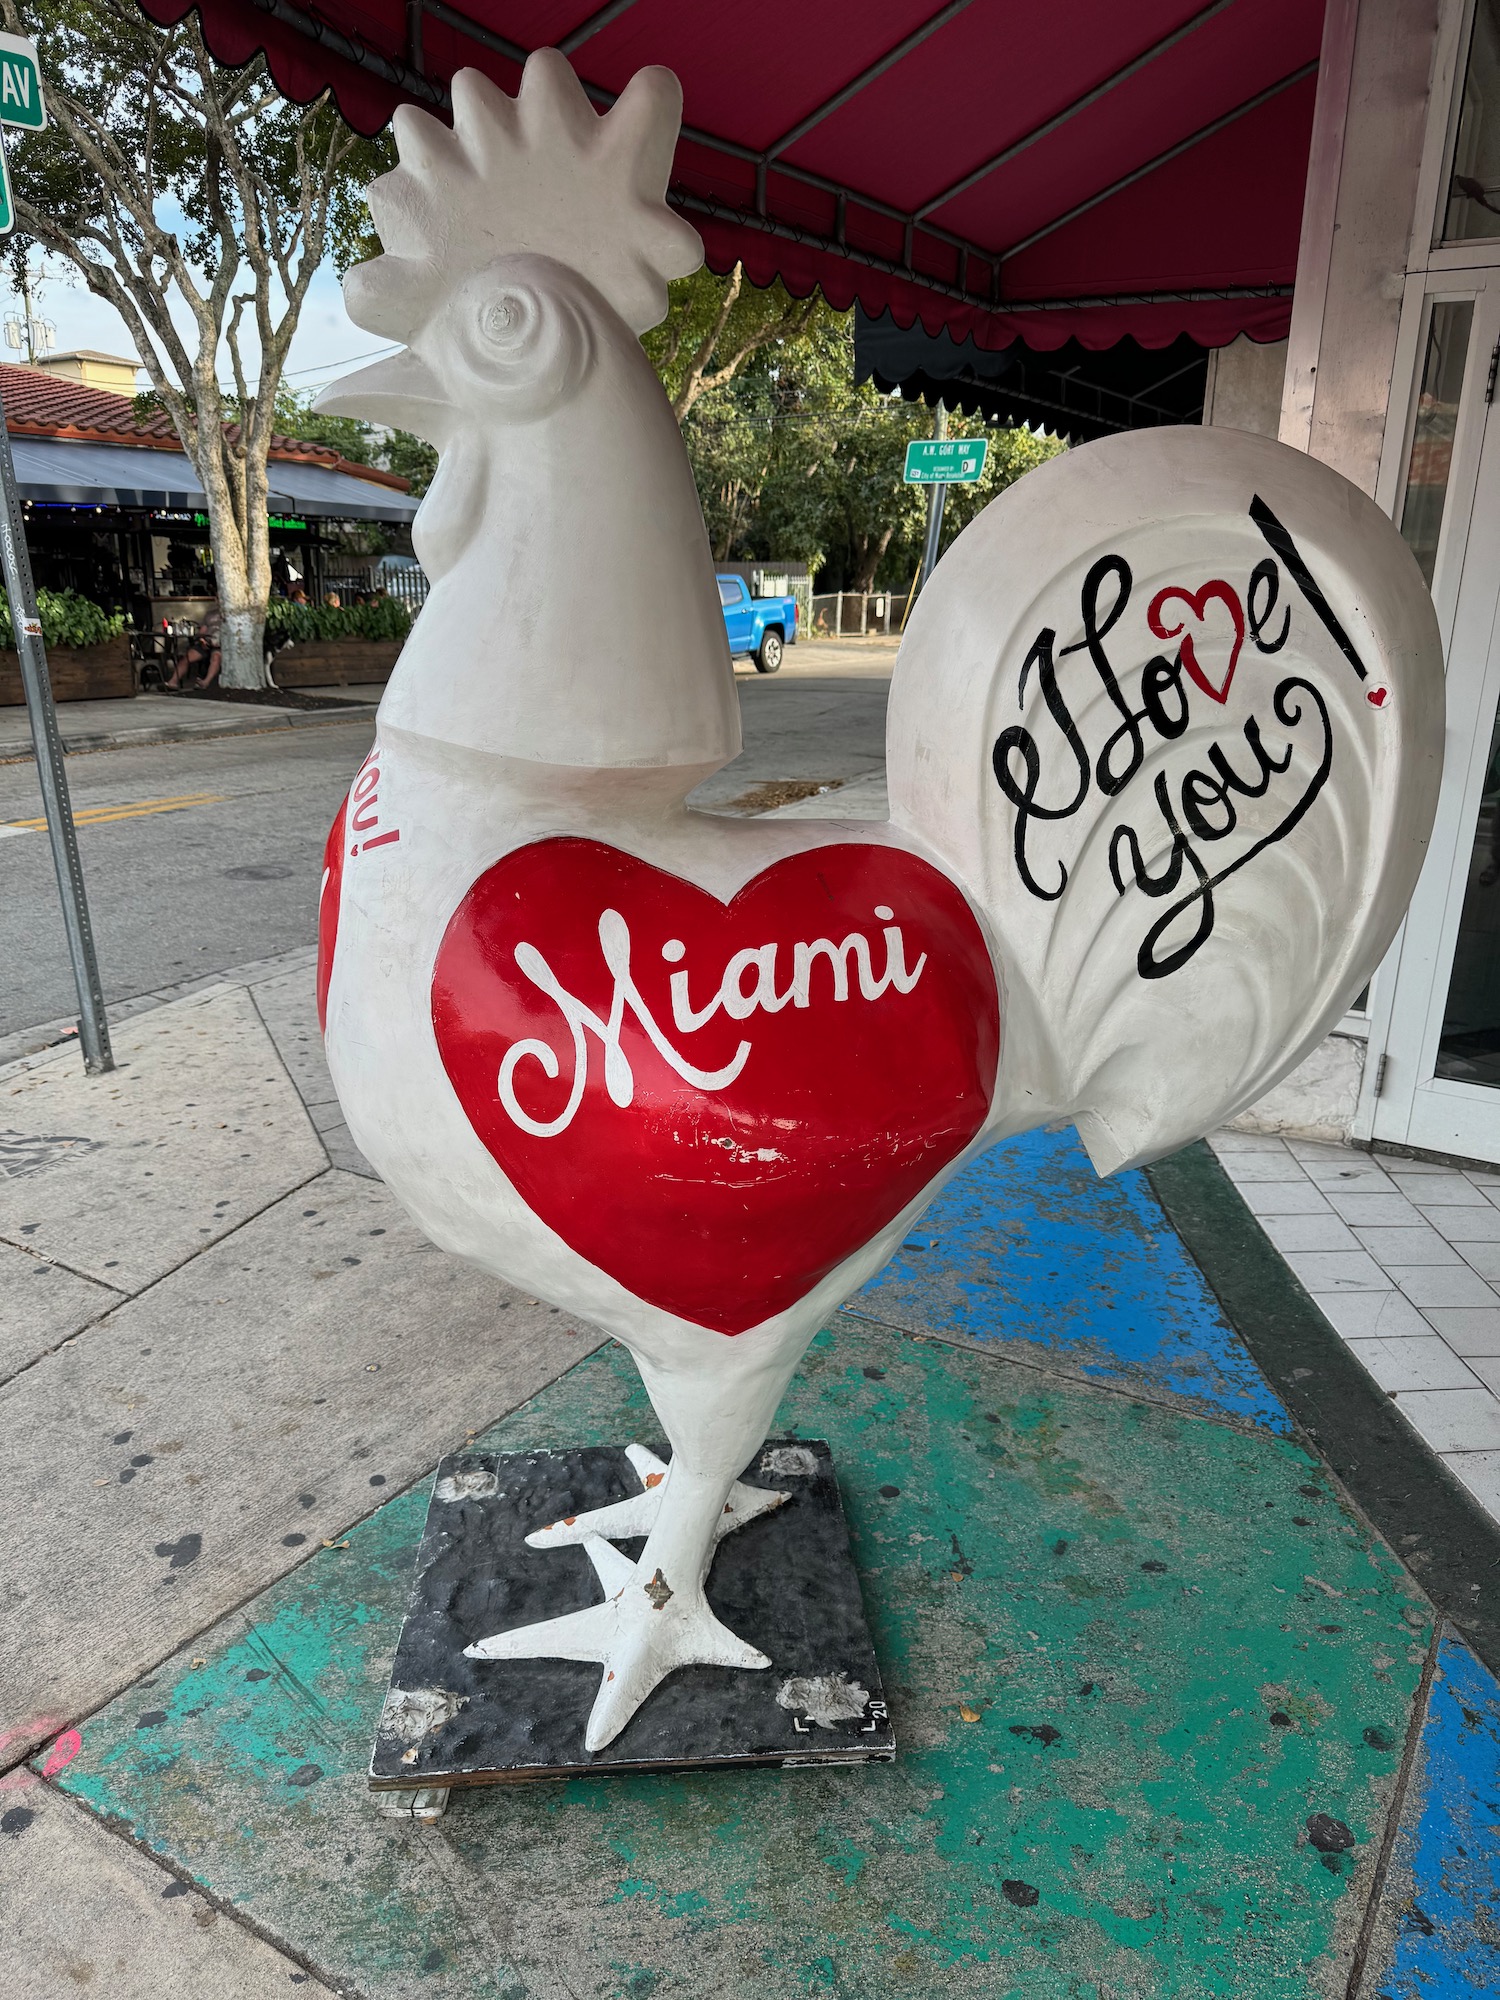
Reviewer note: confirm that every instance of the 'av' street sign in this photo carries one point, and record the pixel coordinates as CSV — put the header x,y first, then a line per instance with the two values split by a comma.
x,y
20,104
20,84
945,461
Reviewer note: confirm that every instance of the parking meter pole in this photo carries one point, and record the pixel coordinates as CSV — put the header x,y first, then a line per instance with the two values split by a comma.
x,y
93,1028
936,495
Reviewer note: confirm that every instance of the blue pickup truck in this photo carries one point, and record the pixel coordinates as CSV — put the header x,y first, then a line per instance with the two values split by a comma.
x,y
759,626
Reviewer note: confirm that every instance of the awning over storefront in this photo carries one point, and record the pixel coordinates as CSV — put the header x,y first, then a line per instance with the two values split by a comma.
x,y
1081,171
1074,391
54,471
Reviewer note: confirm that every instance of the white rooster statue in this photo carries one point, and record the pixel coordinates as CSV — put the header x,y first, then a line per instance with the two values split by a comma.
x,y
1164,743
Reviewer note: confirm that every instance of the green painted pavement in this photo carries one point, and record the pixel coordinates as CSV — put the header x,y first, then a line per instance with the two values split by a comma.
x,y
1130,1654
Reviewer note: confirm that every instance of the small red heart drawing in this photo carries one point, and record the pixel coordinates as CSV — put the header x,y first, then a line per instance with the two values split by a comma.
x,y
1198,602
1377,697
716,1103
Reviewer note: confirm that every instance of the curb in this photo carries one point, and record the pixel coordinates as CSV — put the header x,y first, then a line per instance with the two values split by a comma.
x,y
256,725
1442,1535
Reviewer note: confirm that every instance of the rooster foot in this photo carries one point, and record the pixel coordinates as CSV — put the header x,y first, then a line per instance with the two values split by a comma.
x,y
643,1631
637,1515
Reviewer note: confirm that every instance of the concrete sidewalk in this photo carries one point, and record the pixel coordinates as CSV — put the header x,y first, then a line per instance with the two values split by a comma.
x,y
1174,1717
161,718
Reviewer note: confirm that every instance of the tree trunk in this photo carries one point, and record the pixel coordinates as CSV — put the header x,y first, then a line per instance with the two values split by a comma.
x,y
243,649
867,560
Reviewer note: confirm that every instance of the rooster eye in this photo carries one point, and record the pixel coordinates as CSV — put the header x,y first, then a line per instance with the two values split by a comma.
x,y
528,344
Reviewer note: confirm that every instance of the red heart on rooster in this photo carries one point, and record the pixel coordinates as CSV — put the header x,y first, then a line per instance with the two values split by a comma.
x,y
716,1103
1198,602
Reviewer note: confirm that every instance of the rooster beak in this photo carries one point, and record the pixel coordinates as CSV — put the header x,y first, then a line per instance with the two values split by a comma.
x,y
401,392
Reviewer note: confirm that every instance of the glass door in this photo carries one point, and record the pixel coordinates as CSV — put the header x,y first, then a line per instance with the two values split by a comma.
x,y
1437,1083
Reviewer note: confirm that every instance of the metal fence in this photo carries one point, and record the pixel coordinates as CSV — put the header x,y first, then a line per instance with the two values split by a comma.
x,y
406,582
853,614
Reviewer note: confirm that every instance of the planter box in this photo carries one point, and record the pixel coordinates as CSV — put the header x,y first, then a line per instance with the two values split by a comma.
x,y
79,673
334,662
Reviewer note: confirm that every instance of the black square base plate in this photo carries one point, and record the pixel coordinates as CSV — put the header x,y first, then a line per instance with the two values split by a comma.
x,y
785,1582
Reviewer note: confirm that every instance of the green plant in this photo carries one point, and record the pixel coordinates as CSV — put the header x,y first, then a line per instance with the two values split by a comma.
x,y
386,618
68,619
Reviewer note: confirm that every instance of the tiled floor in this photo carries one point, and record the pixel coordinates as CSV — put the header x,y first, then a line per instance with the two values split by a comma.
x,y
1404,1259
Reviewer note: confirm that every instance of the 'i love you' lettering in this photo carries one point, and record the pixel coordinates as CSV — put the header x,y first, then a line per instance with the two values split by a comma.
x,y
1281,752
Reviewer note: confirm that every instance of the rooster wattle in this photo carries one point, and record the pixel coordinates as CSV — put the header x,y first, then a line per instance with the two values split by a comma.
x,y
1164,743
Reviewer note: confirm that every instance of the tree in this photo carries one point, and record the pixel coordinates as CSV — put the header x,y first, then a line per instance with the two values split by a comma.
x,y
164,175
713,327
794,459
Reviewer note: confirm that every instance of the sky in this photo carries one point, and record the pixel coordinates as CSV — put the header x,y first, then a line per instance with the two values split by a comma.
x,y
326,338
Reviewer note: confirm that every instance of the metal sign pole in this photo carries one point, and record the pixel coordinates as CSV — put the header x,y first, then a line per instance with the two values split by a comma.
x,y
93,1028
936,495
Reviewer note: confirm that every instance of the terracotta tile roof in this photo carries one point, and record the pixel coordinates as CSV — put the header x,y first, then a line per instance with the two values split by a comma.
x,y
41,405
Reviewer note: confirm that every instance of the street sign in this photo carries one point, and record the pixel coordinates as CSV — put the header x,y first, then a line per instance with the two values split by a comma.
x,y
7,206
20,84
945,461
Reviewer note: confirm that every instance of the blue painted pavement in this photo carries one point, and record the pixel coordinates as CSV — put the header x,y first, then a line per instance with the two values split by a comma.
x,y
1028,1248
1443,1891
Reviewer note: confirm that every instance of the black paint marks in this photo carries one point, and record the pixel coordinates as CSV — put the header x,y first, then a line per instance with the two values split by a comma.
x,y
153,1718
890,1492
293,1541
258,1674
173,1890
1379,1738
305,1775
1329,1836
186,1549
1304,579
873,1374
14,1822
1041,1732
1154,1568
1022,1894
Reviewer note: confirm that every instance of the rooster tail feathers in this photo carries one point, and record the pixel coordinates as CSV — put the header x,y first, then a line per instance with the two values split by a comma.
x,y
1171,709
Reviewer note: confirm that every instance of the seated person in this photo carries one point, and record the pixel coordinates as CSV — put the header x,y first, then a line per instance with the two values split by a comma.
x,y
202,654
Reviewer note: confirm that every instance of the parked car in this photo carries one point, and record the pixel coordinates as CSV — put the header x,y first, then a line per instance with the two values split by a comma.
x,y
762,627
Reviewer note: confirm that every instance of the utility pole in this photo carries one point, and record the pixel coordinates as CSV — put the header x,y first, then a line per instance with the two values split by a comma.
x,y
93,1027
936,495
28,330
21,104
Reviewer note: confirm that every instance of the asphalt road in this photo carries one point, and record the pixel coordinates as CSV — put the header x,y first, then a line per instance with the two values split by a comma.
x,y
178,890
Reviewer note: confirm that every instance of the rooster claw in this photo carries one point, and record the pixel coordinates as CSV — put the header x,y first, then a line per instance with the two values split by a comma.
x,y
643,1631
635,1516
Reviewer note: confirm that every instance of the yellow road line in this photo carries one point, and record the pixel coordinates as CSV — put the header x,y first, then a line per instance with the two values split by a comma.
x,y
142,809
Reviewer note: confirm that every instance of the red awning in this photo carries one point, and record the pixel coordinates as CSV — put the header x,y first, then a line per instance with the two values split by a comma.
x,y
1083,170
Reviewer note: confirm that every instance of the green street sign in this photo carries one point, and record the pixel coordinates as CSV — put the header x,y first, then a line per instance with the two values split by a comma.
x,y
945,461
20,84
7,206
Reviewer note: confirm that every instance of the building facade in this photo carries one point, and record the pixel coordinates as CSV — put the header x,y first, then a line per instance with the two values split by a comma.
x,y
1389,375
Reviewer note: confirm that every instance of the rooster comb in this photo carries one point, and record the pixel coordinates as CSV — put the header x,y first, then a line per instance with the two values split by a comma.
x,y
539,172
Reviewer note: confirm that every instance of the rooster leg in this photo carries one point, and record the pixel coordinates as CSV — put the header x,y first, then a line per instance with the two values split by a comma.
x,y
655,1616
637,1515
